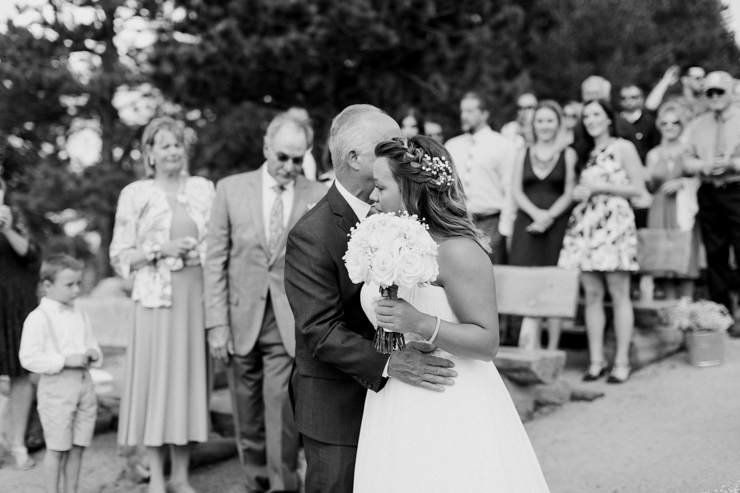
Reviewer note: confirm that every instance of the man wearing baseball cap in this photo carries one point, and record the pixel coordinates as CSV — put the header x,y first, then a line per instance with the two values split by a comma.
x,y
714,146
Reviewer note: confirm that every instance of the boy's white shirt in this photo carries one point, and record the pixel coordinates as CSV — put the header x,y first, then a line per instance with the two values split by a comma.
x,y
39,354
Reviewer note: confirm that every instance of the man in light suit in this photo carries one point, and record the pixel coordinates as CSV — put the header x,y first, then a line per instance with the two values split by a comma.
x,y
247,312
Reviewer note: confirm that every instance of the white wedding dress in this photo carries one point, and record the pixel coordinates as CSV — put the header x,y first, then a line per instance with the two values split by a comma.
x,y
468,438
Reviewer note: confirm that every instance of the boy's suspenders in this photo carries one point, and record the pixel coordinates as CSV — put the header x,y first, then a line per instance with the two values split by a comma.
x,y
50,330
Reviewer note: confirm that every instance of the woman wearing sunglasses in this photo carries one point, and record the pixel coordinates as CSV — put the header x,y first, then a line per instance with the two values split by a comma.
x,y
674,196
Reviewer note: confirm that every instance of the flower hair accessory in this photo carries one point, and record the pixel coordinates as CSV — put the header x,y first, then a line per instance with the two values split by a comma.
x,y
439,168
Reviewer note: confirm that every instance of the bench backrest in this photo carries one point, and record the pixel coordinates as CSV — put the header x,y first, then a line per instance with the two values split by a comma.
x,y
536,291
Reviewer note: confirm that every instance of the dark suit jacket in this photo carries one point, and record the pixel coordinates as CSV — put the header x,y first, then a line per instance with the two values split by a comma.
x,y
335,362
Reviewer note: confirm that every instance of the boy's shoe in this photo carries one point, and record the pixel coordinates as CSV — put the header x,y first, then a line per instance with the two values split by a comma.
x,y
23,461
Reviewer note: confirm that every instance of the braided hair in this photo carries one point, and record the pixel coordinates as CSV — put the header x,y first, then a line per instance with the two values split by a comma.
x,y
430,187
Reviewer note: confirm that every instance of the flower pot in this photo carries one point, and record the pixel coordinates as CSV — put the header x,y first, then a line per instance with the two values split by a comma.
x,y
706,348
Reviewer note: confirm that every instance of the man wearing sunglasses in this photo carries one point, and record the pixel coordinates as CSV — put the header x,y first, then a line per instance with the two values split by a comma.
x,y
251,325
714,146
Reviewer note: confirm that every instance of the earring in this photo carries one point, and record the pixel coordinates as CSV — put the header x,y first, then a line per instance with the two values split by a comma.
x,y
151,162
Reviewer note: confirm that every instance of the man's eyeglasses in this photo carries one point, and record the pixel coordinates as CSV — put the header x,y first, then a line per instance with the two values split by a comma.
x,y
570,115
297,160
715,92
525,108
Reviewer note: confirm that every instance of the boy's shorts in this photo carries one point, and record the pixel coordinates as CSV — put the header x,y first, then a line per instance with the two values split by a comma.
x,y
67,408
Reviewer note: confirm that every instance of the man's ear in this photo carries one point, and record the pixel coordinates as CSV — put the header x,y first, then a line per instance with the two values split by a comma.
x,y
265,148
353,160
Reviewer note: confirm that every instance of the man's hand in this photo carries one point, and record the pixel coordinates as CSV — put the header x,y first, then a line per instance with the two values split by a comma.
x,y
220,343
76,361
672,74
414,367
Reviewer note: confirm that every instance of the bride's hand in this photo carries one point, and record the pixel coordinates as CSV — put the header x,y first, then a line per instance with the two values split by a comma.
x,y
398,316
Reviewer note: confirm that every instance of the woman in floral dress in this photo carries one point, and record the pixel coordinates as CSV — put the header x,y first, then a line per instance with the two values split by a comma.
x,y
601,239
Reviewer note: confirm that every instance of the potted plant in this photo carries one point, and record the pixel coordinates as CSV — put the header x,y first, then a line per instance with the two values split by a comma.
x,y
704,324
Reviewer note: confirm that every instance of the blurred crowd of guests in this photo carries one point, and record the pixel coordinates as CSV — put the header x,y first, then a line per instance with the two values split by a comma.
x,y
566,185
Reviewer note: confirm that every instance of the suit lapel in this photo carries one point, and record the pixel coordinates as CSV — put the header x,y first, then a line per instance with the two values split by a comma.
x,y
347,219
254,201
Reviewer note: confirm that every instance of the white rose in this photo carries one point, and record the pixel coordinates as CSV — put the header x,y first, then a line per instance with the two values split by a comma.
x,y
382,238
384,268
410,269
357,265
429,269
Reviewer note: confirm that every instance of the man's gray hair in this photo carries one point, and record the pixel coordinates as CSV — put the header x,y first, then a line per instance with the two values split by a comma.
x,y
283,119
605,85
349,132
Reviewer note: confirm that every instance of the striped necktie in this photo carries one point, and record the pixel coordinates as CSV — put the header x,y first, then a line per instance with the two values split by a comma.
x,y
276,219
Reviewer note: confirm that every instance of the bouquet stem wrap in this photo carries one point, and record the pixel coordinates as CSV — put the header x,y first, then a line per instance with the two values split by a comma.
x,y
386,342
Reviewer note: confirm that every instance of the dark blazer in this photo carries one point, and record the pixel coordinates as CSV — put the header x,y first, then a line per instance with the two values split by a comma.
x,y
335,362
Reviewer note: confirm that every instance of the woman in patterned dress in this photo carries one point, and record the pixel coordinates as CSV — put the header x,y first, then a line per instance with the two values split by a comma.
x,y
601,239
159,240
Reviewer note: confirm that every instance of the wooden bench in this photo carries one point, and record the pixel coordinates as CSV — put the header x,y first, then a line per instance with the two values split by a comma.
x,y
534,292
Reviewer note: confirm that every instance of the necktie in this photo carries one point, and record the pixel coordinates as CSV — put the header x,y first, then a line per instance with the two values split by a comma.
x,y
719,143
276,219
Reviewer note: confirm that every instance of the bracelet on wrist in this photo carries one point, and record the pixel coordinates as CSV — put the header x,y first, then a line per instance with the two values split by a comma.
x,y
436,330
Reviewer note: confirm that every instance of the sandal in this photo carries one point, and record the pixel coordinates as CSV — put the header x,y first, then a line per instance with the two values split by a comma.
x,y
595,371
619,374
23,461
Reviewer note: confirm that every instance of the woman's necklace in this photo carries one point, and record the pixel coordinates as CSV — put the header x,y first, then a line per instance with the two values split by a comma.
x,y
544,162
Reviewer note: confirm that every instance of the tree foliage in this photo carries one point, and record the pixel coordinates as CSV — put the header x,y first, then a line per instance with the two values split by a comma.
x,y
240,59
231,64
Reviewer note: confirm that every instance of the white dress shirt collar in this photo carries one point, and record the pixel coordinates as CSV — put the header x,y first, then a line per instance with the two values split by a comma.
x,y
482,133
269,182
359,207
55,306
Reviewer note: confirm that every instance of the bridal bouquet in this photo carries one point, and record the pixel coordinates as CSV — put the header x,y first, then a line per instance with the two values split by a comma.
x,y
391,251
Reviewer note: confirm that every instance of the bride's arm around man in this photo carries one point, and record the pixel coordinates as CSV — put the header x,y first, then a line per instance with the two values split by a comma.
x,y
335,362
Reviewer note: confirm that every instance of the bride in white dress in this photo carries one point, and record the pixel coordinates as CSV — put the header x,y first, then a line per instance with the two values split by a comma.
x,y
468,436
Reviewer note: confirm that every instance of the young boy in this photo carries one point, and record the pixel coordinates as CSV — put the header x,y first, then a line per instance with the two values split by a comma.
x,y
58,343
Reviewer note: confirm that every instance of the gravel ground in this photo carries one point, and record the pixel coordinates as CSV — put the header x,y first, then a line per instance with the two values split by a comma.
x,y
672,428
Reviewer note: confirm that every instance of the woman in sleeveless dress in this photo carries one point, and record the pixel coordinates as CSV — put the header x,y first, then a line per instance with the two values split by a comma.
x,y
468,437
601,239
159,239
544,177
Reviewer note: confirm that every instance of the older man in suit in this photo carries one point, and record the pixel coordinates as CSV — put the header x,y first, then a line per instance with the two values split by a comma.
x,y
335,362
247,311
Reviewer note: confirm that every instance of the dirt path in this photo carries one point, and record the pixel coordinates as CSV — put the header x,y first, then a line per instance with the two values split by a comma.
x,y
672,428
